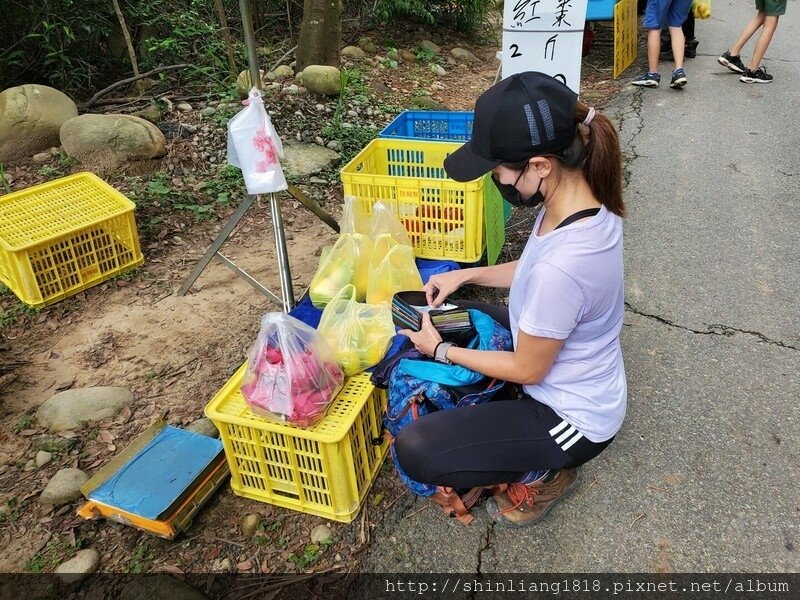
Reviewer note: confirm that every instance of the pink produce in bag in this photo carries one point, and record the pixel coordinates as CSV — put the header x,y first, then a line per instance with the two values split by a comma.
x,y
254,147
291,374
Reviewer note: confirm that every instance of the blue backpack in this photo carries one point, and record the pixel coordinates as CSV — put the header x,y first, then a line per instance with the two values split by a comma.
x,y
417,385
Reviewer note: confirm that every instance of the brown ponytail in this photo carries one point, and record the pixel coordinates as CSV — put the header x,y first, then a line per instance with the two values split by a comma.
x,y
602,164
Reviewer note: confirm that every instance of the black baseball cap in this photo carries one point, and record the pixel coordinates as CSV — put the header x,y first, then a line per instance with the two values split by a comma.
x,y
527,114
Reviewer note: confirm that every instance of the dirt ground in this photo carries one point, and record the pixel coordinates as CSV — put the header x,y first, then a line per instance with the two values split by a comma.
x,y
174,353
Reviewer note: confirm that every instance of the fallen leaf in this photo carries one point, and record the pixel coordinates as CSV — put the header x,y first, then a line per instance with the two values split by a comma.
x,y
172,569
209,536
28,432
106,436
65,385
124,415
68,434
213,552
245,565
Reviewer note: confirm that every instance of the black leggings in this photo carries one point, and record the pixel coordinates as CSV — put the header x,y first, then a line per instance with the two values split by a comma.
x,y
486,444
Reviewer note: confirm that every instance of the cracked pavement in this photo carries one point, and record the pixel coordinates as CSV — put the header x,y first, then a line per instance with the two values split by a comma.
x,y
703,476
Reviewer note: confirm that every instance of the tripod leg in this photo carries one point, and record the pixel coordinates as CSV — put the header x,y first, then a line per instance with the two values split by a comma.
x,y
221,239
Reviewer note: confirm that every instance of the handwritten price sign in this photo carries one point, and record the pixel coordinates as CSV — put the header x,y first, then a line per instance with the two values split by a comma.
x,y
546,36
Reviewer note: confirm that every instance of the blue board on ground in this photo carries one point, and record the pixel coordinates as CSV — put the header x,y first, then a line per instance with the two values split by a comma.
x,y
155,478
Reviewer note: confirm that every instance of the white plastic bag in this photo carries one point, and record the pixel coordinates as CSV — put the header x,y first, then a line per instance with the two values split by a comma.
x,y
292,373
254,147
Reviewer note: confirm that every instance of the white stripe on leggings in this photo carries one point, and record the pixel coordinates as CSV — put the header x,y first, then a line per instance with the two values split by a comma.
x,y
558,428
566,434
572,441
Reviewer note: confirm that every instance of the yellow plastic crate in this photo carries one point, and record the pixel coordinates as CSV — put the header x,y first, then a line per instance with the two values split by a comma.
x,y
444,218
61,237
325,470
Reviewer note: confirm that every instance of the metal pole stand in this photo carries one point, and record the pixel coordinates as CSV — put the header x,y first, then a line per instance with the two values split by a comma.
x,y
287,293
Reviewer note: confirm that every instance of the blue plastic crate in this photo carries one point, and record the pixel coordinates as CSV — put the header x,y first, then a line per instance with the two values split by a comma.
x,y
421,125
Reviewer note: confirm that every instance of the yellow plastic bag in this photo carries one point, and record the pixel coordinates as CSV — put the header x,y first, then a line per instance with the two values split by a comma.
x,y
385,222
701,9
395,272
359,334
346,263
354,216
392,268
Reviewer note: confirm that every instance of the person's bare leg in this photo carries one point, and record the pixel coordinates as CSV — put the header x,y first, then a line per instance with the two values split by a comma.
x,y
747,33
678,45
770,25
653,48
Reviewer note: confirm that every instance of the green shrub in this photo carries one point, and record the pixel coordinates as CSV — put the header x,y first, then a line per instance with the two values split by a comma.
x,y
463,15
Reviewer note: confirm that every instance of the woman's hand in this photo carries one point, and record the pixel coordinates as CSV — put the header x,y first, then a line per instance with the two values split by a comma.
x,y
426,339
440,286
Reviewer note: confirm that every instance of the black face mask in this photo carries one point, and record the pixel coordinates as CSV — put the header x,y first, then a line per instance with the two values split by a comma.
x,y
511,194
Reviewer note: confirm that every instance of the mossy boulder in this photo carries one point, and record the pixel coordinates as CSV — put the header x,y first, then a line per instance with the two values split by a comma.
x,y
30,119
322,79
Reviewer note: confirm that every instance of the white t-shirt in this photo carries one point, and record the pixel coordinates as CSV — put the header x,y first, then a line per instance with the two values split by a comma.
x,y
569,286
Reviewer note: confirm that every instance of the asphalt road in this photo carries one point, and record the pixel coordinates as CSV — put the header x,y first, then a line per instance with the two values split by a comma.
x,y
704,475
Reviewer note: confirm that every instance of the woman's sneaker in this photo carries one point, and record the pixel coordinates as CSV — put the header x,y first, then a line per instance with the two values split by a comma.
x,y
734,63
647,80
760,75
521,505
678,78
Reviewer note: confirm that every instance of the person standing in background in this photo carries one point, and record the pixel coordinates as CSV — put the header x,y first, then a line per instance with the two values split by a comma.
x,y
688,33
657,15
766,18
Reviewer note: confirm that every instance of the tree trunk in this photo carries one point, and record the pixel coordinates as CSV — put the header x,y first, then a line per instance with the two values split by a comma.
x,y
320,34
226,33
128,43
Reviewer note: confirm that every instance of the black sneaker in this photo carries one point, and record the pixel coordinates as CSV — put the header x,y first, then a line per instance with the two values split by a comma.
x,y
691,48
760,75
647,80
734,63
678,78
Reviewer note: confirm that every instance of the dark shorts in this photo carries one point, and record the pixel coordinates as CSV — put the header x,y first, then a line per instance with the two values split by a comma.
x,y
771,8
666,13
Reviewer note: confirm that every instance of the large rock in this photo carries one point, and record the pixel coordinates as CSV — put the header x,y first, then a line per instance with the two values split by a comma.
x,y
463,54
303,159
243,83
354,53
151,113
367,45
428,103
30,118
64,487
71,408
430,46
160,587
111,141
322,79
204,427
79,567
284,72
